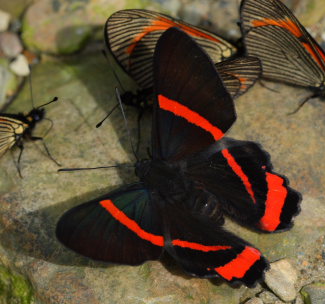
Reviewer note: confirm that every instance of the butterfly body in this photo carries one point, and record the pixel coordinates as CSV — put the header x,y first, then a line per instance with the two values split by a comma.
x,y
15,127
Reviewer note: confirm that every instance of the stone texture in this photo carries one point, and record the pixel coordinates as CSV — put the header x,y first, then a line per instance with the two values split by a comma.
x,y
268,297
14,8
10,44
254,301
20,66
281,279
8,82
314,293
63,27
4,21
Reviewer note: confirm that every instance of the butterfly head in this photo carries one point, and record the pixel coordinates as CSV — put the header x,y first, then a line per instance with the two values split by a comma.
x,y
36,115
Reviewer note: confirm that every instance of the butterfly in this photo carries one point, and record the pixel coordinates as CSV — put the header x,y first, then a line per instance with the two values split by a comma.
x,y
131,36
194,177
287,51
15,128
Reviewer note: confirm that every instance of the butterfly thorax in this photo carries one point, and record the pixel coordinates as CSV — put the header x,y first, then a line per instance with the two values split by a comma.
x,y
163,177
320,91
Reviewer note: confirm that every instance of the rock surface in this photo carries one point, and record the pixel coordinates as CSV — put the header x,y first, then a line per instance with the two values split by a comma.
x,y
4,21
254,301
281,279
10,44
20,66
314,293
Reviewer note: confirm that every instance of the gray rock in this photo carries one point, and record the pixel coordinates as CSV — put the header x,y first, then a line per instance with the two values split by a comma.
x,y
64,27
314,293
10,44
299,299
20,66
254,301
281,279
269,298
4,20
8,82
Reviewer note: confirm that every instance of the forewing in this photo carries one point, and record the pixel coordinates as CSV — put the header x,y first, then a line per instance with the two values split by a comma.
x,y
239,75
240,175
204,249
120,227
192,107
287,52
131,35
10,128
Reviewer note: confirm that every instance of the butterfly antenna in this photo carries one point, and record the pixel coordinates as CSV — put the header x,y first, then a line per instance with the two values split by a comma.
x,y
94,168
109,113
118,96
110,63
45,104
302,103
30,86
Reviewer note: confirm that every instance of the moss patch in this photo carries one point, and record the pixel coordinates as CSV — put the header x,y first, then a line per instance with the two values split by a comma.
x,y
14,288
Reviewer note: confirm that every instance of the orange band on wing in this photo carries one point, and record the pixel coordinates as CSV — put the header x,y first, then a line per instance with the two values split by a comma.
x,y
162,24
286,23
240,173
238,267
276,197
191,116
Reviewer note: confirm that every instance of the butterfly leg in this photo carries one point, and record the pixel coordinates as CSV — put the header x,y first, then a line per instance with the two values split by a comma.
x,y
302,103
34,138
21,147
140,115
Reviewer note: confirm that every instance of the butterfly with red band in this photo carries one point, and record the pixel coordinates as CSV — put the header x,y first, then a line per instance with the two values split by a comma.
x,y
194,177
131,36
287,51
15,128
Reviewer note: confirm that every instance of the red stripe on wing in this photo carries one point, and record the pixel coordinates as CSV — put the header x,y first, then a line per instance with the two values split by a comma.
x,y
120,216
157,240
191,116
239,172
239,266
276,197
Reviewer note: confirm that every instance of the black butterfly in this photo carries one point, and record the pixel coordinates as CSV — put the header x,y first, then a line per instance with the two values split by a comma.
x,y
15,128
194,177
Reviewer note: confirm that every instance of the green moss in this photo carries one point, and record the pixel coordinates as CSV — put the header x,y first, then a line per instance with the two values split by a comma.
x,y
145,271
28,35
305,297
14,288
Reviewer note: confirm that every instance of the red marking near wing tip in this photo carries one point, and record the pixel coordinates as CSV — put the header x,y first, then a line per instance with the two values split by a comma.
x,y
240,173
162,24
157,240
238,267
191,116
276,197
286,24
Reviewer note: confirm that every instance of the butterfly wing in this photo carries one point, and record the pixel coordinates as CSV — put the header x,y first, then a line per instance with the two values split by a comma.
x,y
131,36
120,227
239,174
204,249
10,129
192,108
287,52
239,75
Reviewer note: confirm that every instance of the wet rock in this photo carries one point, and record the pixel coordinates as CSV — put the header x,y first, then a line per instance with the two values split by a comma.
x,y
281,279
20,66
64,27
314,293
254,301
10,44
4,20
